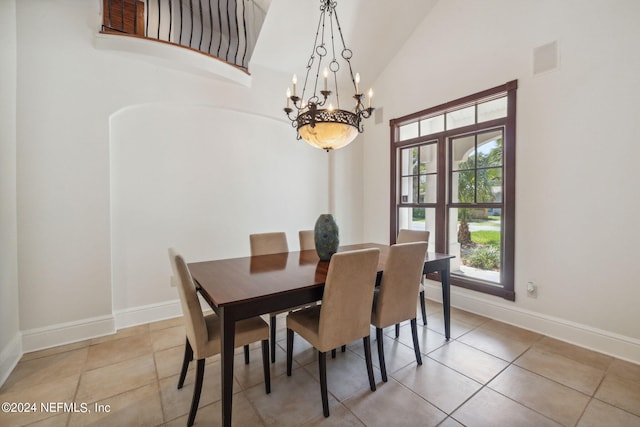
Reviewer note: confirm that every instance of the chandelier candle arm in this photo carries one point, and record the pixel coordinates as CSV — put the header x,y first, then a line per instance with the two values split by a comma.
x,y
326,128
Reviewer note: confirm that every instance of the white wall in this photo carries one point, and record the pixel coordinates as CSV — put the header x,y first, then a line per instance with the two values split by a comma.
x,y
90,126
201,179
346,190
10,346
577,126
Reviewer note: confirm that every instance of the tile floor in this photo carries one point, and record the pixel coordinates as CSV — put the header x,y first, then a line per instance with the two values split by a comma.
x,y
489,374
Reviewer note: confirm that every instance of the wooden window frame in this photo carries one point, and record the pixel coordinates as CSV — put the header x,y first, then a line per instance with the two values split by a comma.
x,y
506,289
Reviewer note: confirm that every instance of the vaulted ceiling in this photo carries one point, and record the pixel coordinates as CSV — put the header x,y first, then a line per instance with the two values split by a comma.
x,y
373,30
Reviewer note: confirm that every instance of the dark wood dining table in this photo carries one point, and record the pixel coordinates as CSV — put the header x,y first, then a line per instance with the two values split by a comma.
x,y
240,288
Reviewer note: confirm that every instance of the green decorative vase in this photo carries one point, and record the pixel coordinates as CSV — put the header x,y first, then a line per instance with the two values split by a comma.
x,y
326,236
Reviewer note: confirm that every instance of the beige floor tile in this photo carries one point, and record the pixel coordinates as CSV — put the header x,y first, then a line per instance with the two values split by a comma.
x,y
118,350
433,306
176,403
346,375
600,414
46,369
303,353
122,333
250,375
243,415
621,392
101,383
168,337
409,409
55,350
558,368
169,361
458,327
573,352
556,401
167,323
57,390
396,354
450,422
467,317
473,363
340,417
624,369
55,421
441,386
297,396
428,339
138,407
142,387
490,409
501,340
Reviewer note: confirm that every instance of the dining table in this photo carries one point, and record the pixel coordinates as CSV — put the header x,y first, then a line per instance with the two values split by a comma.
x,y
240,288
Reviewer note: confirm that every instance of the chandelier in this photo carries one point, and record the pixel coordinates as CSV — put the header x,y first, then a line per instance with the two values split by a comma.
x,y
313,113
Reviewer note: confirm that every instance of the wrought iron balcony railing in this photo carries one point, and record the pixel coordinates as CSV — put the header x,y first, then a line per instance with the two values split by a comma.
x,y
226,29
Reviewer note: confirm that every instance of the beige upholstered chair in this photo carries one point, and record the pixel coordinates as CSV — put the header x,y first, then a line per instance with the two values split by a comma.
x,y
344,314
395,299
406,236
267,244
203,332
307,240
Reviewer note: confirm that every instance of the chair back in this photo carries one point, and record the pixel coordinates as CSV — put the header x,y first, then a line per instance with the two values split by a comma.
x,y
193,316
396,300
406,236
268,243
307,240
345,312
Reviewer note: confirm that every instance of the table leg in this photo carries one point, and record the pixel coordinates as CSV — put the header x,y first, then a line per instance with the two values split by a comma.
x,y
446,297
227,337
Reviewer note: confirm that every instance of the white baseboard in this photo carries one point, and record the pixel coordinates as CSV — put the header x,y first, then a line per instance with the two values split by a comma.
x,y
70,332
66,333
10,356
147,313
599,340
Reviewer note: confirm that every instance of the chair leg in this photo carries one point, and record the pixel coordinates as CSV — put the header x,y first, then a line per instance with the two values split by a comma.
x,y
367,355
289,351
188,357
383,367
272,324
344,348
333,353
246,354
322,365
265,366
196,392
416,345
423,308
397,330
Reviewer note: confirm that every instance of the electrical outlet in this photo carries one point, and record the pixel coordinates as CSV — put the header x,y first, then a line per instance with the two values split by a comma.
x,y
532,290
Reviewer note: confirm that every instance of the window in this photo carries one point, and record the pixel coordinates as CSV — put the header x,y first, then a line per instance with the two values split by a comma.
x,y
453,174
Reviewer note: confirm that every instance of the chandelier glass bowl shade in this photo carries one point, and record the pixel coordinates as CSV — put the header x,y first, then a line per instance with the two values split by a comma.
x,y
312,112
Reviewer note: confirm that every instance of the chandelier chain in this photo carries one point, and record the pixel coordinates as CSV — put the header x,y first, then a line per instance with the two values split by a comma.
x,y
326,128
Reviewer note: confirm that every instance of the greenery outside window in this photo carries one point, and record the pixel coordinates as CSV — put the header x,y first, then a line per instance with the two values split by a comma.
x,y
453,174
